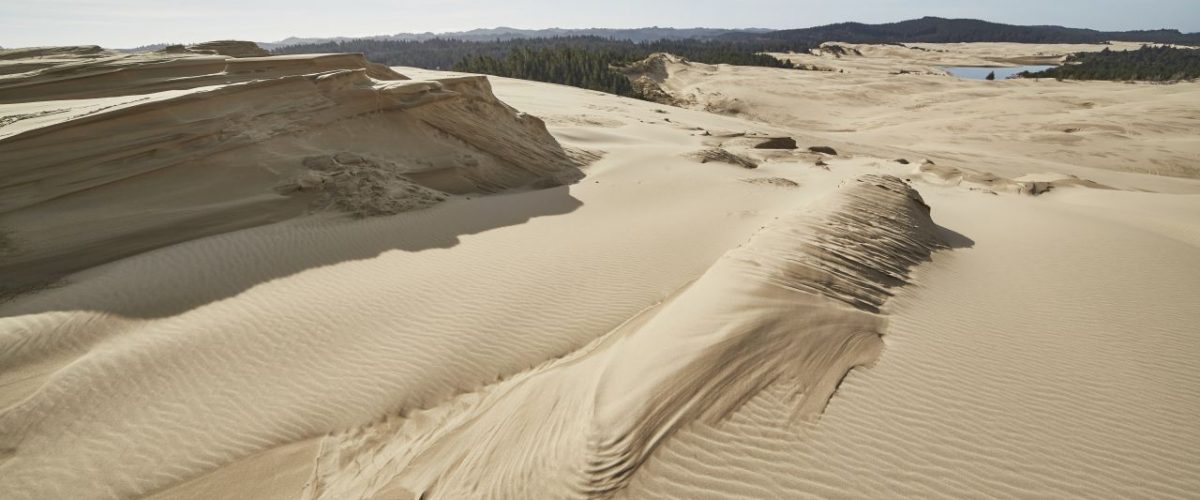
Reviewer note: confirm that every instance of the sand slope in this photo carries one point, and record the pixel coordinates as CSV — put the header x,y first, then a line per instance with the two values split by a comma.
x,y
795,306
168,147
666,327
328,323
932,58
1010,128
1052,359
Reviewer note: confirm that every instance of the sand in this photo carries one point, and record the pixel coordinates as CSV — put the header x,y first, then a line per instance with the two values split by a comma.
x,y
1009,127
933,57
166,147
982,320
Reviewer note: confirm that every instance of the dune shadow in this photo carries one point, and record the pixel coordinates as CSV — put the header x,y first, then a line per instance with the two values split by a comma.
x,y
181,277
952,238
171,280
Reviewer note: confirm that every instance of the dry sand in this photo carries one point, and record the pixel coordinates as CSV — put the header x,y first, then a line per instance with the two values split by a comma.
x,y
1010,127
665,327
167,147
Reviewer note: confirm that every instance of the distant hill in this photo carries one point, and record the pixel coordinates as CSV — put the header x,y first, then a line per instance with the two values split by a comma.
x,y
926,29
941,30
650,34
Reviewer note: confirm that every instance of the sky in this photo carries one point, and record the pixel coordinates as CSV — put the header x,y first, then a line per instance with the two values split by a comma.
x,y
123,24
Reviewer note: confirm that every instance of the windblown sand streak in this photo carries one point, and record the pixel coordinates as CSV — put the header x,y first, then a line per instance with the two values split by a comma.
x,y
795,307
1082,388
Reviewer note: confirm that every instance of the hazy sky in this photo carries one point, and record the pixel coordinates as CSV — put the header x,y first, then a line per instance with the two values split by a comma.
x,y
137,22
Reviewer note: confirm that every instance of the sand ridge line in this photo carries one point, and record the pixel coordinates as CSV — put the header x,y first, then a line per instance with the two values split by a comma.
x,y
796,306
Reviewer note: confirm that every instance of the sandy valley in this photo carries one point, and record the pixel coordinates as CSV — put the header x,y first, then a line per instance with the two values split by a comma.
x,y
228,275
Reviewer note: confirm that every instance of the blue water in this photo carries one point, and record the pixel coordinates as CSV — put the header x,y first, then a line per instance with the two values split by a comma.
x,y
976,73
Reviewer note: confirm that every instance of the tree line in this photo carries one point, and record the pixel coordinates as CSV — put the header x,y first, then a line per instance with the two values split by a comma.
x,y
1158,64
589,62
941,30
564,65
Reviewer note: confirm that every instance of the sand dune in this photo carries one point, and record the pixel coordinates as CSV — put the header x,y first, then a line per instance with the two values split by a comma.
x,y
314,334
930,58
582,426
179,146
998,379
310,277
1010,128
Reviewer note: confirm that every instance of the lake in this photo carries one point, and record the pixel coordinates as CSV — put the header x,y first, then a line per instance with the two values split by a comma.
x,y
978,73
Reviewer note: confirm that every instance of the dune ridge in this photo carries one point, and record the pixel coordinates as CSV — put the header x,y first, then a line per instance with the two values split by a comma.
x,y
895,101
325,323
664,328
1080,388
796,307
56,73
194,145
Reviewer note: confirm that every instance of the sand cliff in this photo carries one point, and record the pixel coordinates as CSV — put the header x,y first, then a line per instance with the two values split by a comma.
x,y
106,155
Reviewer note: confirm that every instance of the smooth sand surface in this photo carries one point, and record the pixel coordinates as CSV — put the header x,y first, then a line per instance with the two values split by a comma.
x,y
672,325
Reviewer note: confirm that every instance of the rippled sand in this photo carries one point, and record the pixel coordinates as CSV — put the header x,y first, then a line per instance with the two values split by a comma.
x,y
997,315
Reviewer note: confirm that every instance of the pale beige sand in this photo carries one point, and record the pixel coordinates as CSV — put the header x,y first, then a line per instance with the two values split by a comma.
x,y
326,323
932,57
1053,359
106,155
794,307
664,328
1007,127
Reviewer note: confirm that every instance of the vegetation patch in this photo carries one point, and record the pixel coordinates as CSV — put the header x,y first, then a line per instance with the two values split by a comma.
x,y
1155,64
722,156
589,62
772,181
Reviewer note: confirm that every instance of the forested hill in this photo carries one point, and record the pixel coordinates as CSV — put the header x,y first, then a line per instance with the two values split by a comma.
x,y
649,34
926,29
941,30
583,61
444,54
591,61
1147,64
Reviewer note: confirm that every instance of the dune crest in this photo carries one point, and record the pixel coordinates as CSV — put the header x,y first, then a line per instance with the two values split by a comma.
x,y
663,329
797,307
173,147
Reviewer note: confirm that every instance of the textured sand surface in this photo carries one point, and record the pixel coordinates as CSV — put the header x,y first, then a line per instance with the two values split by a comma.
x,y
583,425
105,155
1051,359
996,316
1011,127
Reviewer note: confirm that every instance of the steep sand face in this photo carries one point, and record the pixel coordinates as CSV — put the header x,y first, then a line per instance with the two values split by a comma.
x,y
156,149
669,327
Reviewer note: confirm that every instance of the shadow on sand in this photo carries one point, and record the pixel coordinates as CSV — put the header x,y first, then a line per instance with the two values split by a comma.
x,y
954,239
175,279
